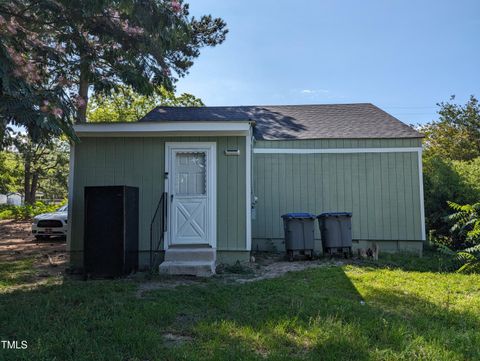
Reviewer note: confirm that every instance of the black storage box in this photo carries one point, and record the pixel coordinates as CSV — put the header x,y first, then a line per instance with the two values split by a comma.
x,y
111,231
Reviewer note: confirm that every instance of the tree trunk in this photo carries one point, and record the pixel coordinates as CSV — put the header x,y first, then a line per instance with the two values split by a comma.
x,y
83,92
31,181
33,187
27,178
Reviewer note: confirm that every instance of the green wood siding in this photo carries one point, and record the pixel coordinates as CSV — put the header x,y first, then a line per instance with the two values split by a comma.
x,y
380,189
140,162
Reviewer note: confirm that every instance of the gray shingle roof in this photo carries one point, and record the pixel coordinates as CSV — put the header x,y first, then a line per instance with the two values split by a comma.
x,y
277,122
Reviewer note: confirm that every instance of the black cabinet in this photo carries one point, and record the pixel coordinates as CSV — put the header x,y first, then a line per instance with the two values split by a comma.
x,y
111,231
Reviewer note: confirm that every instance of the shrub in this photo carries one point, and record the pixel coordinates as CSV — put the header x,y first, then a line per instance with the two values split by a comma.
x,y
445,180
467,260
28,211
464,247
466,223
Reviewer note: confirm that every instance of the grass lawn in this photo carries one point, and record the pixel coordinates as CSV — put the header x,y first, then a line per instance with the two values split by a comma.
x,y
401,309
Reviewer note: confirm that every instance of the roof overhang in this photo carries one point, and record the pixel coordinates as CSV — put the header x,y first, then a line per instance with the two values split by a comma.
x,y
163,129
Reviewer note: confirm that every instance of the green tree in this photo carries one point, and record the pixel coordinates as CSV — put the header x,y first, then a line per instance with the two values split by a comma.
x,y
456,135
469,172
126,105
55,52
10,173
44,166
442,183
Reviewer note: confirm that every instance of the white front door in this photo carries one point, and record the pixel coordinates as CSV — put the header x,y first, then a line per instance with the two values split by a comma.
x,y
191,193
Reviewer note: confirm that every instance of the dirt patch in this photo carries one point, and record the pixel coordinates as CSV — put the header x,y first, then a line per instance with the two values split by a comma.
x,y
173,340
17,243
273,266
266,266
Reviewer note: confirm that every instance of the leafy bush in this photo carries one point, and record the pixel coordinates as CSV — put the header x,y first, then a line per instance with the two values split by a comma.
x,y
444,181
470,259
465,235
466,227
467,260
469,172
27,211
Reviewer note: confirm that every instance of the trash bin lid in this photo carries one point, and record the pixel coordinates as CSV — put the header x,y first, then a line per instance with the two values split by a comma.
x,y
298,216
335,214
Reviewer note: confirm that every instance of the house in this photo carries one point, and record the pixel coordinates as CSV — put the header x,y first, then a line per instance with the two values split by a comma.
x,y
14,199
227,174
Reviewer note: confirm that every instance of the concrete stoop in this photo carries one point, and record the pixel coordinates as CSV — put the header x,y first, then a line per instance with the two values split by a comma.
x,y
189,261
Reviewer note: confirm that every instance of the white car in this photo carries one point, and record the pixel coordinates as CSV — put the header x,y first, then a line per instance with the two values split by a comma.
x,y
53,224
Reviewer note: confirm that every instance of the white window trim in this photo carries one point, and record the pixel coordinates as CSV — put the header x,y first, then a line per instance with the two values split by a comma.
x,y
212,186
417,150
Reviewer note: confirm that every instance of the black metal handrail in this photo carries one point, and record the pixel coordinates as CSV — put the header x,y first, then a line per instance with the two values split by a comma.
x,y
158,227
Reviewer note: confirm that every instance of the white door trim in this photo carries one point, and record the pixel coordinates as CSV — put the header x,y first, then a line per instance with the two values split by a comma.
x,y
211,186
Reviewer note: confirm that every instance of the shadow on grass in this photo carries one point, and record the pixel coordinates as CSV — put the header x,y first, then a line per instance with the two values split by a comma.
x,y
316,314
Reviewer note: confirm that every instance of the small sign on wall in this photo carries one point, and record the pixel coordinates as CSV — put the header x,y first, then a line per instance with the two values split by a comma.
x,y
234,152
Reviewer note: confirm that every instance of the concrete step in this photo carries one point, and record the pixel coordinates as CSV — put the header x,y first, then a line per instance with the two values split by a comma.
x,y
193,268
205,254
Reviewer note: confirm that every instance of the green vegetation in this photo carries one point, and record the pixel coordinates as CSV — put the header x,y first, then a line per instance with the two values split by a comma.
x,y
30,167
465,237
28,211
126,105
451,163
55,53
397,310
15,273
452,182
10,174
456,134
466,222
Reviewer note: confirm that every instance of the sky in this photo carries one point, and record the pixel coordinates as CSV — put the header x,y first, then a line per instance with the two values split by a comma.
x,y
404,56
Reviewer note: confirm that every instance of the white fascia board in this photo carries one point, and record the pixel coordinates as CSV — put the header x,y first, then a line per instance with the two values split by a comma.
x,y
334,150
146,129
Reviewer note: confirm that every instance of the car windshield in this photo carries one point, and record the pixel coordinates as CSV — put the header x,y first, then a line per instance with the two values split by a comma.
x,y
63,209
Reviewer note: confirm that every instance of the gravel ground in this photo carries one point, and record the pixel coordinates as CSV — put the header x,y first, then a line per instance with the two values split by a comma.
x,y
16,243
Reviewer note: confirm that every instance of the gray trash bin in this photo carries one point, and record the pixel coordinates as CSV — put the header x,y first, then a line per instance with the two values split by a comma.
x,y
299,231
336,231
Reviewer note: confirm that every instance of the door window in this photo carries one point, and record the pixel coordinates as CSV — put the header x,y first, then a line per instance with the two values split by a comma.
x,y
191,176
